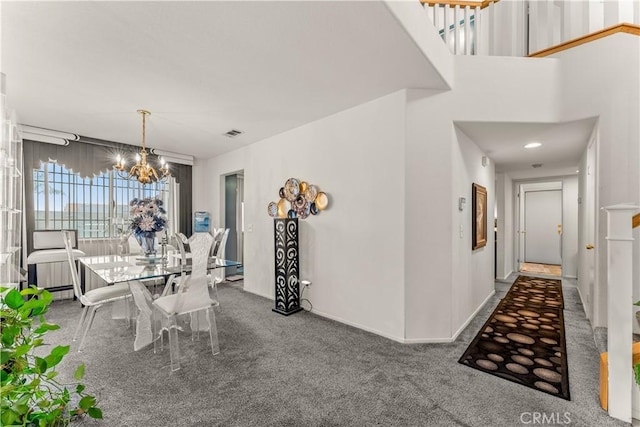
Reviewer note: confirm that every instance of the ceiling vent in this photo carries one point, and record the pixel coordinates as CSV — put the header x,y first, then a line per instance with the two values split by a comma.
x,y
233,133
536,165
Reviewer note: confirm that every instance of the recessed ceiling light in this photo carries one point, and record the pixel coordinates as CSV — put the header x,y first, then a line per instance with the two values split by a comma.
x,y
577,170
533,145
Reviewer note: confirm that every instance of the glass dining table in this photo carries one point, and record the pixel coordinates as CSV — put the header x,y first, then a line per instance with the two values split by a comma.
x,y
124,268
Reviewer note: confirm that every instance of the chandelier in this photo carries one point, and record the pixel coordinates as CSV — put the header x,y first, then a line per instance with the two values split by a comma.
x,y
142,171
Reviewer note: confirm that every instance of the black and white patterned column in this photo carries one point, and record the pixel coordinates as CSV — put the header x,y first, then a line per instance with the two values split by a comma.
x,y
287,266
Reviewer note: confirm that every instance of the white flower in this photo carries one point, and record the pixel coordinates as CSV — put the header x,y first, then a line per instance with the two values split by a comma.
x,y
146,223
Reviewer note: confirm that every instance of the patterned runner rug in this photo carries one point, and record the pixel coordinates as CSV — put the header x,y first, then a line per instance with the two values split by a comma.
x,y
523,340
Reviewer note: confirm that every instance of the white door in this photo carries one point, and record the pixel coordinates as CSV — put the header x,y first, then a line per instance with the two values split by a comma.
x,y
543,226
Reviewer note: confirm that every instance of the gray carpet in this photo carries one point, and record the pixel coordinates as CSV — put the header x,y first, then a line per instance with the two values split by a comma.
x,y
307,370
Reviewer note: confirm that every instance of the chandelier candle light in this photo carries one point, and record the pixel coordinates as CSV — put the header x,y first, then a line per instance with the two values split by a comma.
x,y
142,171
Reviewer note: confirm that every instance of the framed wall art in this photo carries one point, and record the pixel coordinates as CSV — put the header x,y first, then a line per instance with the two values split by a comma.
x,y
479,216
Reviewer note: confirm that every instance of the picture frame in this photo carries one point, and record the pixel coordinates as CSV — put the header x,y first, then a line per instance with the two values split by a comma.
x,y
478,216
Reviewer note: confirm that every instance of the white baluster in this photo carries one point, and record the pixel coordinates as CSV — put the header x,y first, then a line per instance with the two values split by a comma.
x,y
447,24
457,15
468,38
620,309
436,17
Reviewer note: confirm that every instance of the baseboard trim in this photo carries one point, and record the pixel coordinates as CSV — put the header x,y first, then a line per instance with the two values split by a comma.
x,y
571,277
389,336
358,326
260,294
504,279
473,315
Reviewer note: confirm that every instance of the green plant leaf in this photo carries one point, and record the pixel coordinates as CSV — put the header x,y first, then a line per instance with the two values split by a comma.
x,y
95,413
46,327
9,334
13,299
8,417
637,303
52,374
21,350
636,368
79,373
87,402
80,388
41,365
56,355
5,355
4,376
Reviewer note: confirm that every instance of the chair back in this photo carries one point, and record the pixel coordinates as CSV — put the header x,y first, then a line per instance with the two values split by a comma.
x,y
53,239
68,236
183,246
194,289
200,246
220,236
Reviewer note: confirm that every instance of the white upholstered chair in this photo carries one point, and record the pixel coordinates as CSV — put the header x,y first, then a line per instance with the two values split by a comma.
x,y
94,299
49,247
192,298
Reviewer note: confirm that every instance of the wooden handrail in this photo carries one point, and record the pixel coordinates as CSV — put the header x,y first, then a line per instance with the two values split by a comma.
x,y
619,28
462,3
635,221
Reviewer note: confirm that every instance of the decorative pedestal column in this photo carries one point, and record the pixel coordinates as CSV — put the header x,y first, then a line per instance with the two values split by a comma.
x,y
287,266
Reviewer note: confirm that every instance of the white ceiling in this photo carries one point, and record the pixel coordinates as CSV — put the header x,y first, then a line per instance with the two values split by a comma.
x,y
562,145
201,68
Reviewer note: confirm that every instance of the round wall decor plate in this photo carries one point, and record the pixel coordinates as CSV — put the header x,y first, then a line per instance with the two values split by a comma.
x,y
281,192
322,201
303,187
291,189
311,193
313,209
272,209
283,208
299,203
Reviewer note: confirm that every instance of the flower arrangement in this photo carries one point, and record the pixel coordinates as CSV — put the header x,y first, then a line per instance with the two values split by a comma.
x,y
147,216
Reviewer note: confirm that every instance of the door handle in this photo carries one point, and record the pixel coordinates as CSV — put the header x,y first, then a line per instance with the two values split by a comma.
x,y
590,247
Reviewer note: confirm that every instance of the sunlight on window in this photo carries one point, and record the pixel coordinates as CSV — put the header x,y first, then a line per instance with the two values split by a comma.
x,y
97,207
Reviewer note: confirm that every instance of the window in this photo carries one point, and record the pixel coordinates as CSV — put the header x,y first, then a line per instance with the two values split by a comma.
x,y
97,207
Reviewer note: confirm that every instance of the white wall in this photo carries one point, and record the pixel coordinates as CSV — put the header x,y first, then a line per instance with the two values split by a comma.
x,y
354,251
473,269
600,79
387,256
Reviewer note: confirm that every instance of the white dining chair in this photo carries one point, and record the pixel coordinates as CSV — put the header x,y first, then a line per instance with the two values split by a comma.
x,y
94,299
216,277
192,297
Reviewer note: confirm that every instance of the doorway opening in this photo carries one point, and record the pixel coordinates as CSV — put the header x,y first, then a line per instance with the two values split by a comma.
x,y
233,216
540,228
544,269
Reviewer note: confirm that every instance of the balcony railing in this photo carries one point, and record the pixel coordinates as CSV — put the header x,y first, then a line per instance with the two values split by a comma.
x,y
524,28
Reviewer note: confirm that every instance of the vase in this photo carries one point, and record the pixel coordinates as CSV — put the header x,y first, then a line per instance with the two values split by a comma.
x,y
147,242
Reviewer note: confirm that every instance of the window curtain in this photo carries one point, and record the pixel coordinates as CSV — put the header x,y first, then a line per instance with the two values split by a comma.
x,y
89,157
